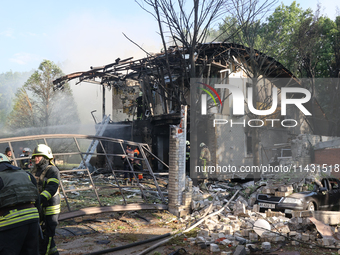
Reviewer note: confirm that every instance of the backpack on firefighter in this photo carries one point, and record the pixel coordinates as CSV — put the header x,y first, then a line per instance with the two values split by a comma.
x,y
19,218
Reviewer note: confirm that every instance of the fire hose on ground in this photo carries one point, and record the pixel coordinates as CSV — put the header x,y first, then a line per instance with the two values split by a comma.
x,y
172,235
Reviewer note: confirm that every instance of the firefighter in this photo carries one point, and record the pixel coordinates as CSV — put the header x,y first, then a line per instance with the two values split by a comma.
x,y
128,175
137,166
8,153
205,158
140,106
48,178
187,158
25,163
19,217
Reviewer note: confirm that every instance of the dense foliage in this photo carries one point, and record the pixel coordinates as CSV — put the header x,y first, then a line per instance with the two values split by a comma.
x,y
306,43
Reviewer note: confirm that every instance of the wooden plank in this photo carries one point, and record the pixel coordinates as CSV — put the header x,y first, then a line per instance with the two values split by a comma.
x,y
324,230
114,208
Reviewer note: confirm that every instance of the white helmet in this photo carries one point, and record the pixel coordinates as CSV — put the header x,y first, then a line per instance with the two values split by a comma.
x,y
202,144
3,158
43,150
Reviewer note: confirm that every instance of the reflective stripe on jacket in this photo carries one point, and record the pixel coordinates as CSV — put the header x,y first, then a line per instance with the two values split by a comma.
x,y
18,217
48,183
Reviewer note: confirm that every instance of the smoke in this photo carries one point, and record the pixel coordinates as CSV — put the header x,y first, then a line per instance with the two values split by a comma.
x,y
85,39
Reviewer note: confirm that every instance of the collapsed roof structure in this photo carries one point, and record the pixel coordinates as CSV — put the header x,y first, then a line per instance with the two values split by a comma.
x,y
164,78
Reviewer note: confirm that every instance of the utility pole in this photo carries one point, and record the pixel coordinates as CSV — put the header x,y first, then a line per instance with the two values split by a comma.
x,y
103,101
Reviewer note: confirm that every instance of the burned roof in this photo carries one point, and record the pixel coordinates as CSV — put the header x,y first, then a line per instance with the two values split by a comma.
x,y
156,64
169,72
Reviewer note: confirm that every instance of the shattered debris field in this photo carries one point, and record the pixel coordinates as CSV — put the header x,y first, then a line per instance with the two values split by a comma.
x,y
108,193
83,235
223,217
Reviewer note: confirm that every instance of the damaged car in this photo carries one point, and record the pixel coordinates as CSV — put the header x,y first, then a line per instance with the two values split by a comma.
x,y
324,197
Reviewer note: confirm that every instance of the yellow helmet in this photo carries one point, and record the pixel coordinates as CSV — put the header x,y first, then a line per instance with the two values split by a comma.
x,y
42,150
3,158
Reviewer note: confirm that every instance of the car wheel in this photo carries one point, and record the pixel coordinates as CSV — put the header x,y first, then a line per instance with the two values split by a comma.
x,y
311,206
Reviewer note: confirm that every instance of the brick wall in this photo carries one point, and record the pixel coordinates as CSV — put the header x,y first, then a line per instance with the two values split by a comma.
x,y
178,199
328,157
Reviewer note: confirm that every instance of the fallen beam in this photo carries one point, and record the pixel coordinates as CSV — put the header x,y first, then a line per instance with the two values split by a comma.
x,y
114,208
327,144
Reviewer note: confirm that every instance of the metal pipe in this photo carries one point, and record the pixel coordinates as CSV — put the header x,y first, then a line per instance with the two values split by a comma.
x,y
103,101
129,245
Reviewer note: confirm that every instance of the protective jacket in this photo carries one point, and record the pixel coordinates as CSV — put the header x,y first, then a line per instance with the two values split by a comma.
x,y
187,153
205,154
48,178
25,163
129,158
18,193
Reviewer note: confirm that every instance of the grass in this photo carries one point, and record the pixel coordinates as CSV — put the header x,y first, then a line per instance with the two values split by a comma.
x,y
130,237
177,240
67,166
192,233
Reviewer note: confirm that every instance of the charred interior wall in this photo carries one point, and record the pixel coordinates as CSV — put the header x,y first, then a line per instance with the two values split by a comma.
x,y
124,106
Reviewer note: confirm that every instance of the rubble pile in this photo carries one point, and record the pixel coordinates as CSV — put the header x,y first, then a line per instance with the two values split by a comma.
x,y
240,228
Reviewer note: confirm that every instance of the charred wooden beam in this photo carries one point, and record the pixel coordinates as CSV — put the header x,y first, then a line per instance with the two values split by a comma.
x,y
114,208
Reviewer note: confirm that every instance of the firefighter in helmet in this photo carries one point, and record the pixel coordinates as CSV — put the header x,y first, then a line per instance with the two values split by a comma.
x,y
128,163
48,178
19,217
25,163
187,158
205,158
137,166
9,154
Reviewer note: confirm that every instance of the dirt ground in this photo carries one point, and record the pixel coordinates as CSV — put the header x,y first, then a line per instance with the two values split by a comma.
x,y
89,234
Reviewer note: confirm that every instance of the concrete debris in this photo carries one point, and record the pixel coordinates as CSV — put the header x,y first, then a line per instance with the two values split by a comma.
x,y
240,250
261,226
239,209
266,246
240,223
214,248
324,230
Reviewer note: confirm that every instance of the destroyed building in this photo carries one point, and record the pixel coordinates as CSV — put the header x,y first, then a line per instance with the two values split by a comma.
x,y
148,93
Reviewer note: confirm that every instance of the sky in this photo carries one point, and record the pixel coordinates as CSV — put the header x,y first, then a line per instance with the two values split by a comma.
x,y
79,34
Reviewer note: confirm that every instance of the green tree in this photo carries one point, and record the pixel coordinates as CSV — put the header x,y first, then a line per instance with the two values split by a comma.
x,y
330,33
246,27
278,31
38,105
305,43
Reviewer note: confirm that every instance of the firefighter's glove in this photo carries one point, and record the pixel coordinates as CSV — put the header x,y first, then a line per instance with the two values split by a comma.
x,y
43,201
